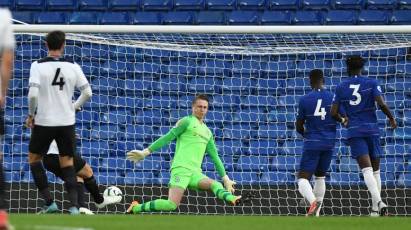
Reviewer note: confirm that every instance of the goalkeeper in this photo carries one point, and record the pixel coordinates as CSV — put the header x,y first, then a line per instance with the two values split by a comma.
x,y
194,138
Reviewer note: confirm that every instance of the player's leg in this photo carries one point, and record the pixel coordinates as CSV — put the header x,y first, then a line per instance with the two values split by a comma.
x,y
4,220
308,166
202,182
41,138
319,179
81,197
374,147
66,143
179,181
360,151
86,173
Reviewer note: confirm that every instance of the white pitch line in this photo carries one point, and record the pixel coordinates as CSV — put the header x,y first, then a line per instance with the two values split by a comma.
x,y
45,227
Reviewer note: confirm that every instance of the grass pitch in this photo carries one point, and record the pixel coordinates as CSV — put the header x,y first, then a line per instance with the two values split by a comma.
x,y
193,222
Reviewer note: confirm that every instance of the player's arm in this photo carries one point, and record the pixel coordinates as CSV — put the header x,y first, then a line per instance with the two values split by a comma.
x,y
176,131
335,108
383,106
34,86
84,87
299,123
7,56
211,149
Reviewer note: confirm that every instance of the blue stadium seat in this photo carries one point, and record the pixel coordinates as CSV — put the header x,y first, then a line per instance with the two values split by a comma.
x,y
391,164
157,5
189,4
381,4
347,4
276,18
243,18
93,4
126,5
263,147
276,178
283,4
252,163
270,132
203,84
105,85
138,132
149,164
221,4
179,67
160,102
340,17
113,164
236,84
61,4
236,132
50,18
13,176
247,67
208,165
251,4
114,18
106,132
161,178
22,68
23,16
306,18
7,4
84,18
285,163
315,4
15,164
372,17
171,84
400,17
146,18
15,116
265,102
404,4
280,68
347,164
87,116
210,18
116,117
244,178
178,18
176,115
405,180
214,67
29,4
146,68
138,178
109,178
338,66
305,66
149,117
94,148
345,178
226,101
380,67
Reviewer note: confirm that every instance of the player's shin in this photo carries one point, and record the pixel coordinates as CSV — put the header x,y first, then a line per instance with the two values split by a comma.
x,y
40,179
377,177
305,189
92,187
80,194
69,176
155,205
319,188
372,186
221,193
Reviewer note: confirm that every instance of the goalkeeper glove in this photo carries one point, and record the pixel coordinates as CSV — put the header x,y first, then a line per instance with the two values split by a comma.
x,y
137,155
229,184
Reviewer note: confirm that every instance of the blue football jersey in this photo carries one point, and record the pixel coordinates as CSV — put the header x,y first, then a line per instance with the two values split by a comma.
x,y
357,97
320,127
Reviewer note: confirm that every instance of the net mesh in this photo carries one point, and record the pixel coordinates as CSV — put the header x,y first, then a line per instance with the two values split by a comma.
x,y
143,83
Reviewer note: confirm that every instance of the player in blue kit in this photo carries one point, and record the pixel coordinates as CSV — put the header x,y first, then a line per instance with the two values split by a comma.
x,y
357,96
319,140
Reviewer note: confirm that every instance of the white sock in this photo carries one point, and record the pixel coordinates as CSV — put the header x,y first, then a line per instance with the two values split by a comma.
x,y
372,186
305,189
319,188
377,177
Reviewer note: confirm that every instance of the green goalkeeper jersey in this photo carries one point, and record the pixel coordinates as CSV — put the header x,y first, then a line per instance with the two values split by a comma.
x,y
194,139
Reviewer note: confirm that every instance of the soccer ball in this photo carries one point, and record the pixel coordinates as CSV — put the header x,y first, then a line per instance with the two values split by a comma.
x,y
112,191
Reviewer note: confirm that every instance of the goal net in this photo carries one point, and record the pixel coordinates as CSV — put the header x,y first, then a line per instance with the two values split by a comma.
x,y
143,83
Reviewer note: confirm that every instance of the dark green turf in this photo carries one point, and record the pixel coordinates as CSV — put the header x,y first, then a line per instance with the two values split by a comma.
x,y
191,222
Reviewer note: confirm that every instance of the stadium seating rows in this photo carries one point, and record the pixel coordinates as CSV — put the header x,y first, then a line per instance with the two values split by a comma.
x,y
240,17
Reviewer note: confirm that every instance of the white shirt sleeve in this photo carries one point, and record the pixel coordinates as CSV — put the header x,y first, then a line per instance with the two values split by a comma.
x,y
6,34
34,80
81,82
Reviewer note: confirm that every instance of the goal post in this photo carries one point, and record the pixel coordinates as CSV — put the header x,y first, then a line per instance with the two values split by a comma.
x,y
144,78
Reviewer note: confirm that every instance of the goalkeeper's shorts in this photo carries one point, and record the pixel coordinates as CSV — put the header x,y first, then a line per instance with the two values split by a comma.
x,y
185,178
